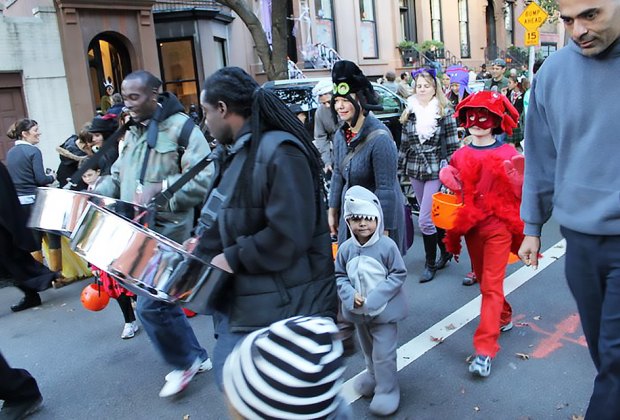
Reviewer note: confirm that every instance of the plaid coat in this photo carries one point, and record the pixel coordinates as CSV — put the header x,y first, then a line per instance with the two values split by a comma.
x,y
421,161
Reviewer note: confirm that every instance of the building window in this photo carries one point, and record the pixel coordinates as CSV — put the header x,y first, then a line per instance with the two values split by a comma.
x,y
325,25
405,28
368,30
546,48
436,30
221,52
509,22
178,70
464,29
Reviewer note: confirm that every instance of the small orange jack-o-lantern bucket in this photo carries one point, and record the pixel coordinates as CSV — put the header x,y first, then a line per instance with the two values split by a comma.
x,y
334,249
94,298
513,258
444,209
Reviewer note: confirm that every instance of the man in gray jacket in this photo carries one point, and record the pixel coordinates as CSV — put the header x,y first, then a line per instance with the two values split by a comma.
x,y
148,164
570,171
325,124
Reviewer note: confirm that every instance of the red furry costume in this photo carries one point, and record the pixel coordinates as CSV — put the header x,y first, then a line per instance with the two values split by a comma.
x,y
485,196
490,185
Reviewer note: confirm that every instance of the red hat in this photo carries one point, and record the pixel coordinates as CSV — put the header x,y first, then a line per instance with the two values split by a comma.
x,y
495,103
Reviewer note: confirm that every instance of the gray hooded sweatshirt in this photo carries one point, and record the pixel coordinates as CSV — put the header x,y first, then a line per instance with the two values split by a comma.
x,y
572,135
375,270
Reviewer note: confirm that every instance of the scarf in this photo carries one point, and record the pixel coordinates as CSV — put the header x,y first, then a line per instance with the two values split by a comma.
x,y
348,134
426,117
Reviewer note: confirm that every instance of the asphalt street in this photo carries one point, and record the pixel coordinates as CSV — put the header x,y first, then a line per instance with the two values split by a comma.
x,y
543,370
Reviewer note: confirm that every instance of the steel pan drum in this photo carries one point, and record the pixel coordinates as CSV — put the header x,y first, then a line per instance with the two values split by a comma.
x,y
58,210
144,261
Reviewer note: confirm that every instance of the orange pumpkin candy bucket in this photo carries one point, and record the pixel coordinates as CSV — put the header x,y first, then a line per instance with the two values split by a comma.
x,y
444,209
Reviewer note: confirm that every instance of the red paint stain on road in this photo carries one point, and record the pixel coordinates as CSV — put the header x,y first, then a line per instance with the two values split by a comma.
x,y
556,339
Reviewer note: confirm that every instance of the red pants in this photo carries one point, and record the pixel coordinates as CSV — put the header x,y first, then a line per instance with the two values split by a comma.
x,y
489,246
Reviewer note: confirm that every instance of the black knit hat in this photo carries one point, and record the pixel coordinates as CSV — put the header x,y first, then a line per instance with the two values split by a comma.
x,y
105,125
292,369
348,78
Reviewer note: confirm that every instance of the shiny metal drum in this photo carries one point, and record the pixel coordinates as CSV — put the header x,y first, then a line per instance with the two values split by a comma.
x,y
58,210
144,261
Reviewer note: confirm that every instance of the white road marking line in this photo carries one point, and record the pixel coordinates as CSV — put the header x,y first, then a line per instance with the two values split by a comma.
x,y
412,350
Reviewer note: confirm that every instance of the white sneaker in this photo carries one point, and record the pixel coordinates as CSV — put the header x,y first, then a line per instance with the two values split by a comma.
x,y
129,330
481,366
177,380
205,366
506,327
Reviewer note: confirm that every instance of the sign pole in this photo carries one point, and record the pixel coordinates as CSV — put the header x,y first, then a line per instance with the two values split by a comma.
x,y
530,66
532,18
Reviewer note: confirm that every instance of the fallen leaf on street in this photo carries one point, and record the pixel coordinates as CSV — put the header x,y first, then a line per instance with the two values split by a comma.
x,y
522,324
561,406
186,417
437,339
476,408
537,317
462,390
450,327
577,417
522,356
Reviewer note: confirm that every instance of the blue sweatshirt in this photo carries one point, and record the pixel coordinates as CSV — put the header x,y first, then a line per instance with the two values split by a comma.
x,y
572,134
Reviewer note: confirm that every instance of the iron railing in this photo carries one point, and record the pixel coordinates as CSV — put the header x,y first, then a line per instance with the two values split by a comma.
x,y
172,5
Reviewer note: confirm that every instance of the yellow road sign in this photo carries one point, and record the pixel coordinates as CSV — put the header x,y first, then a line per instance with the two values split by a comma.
x,y
532,38
533,17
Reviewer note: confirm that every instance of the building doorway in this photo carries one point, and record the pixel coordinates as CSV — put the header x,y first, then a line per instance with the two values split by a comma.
x,y
491,51
108,62
11,107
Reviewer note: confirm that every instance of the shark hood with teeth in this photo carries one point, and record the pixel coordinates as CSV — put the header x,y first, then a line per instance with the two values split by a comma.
x,y
360,202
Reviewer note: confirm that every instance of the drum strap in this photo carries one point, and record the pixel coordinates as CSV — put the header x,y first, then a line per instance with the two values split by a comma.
x,y
221,195
92,161
165,195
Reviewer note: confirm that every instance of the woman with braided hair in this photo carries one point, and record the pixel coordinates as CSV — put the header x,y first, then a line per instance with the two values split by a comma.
x,y
270,232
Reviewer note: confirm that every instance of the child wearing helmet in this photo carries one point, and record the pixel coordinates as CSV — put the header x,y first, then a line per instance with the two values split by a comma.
x,y
488,176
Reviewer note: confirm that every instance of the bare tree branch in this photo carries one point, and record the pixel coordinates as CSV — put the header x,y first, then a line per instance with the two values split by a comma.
x,y
273,57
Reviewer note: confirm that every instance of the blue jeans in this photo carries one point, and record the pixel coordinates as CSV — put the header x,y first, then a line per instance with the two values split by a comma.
x,y
168,329
224,345
593,275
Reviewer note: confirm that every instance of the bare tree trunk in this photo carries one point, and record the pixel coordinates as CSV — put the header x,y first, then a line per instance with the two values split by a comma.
x,y
279,58
274,57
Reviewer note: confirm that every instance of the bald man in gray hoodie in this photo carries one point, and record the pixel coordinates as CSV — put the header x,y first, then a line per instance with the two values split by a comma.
x,y
571,171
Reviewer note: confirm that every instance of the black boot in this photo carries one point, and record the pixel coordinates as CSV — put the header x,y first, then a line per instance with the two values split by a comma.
x,y
444,256
30,300
430,248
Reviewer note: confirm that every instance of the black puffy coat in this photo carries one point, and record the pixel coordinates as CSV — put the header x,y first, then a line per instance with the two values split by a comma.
x,y
278,247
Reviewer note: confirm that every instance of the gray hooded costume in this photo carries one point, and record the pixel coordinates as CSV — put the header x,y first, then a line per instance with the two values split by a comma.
x,y
376,271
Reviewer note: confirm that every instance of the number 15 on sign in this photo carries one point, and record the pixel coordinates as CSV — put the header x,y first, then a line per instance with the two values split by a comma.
x,y
532,38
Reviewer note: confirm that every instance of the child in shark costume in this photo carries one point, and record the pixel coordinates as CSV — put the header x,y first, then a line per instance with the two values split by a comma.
x,y
370,273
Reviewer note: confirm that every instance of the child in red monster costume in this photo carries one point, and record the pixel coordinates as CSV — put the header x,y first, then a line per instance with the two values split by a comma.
x,y
488,175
